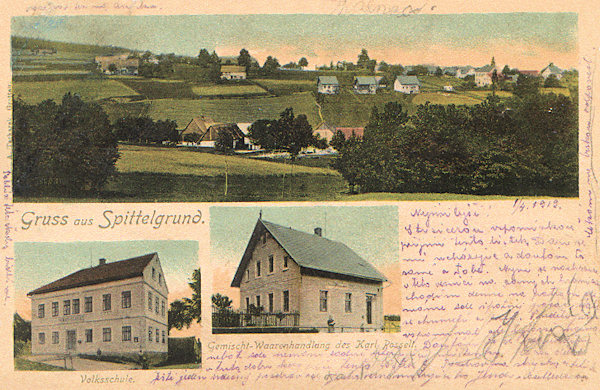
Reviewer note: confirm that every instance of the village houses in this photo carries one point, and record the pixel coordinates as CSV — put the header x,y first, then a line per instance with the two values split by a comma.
x,y
328,85
118,64
113,308
407,84
322,283
233,72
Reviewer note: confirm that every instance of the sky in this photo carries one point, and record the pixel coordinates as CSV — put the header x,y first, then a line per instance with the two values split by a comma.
x,y
524,40
370,231
40,263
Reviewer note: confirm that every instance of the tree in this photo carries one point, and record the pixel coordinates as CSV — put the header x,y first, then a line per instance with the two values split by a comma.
x,y
112,68
303,62
289,133
187,310
244,59
224,142
21,328
221,302
551,82
493,62
439,72
204,58
365,62
527,85
506,70
271,65
192,137
65,148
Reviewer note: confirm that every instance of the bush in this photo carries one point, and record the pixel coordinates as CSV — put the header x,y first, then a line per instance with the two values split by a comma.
x,y
183,350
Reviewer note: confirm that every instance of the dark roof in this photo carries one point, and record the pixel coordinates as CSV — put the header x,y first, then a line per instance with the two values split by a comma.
x,y
365,80
553,69
311,251
117,270
485,68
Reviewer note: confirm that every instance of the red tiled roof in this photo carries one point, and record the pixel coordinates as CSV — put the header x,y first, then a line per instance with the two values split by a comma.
x,y
117,270
348,131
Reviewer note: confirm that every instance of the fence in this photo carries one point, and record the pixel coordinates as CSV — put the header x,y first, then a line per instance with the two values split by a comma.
x,y
229,318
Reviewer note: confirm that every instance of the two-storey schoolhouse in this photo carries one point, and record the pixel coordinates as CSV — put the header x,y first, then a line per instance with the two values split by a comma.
x,y
114,308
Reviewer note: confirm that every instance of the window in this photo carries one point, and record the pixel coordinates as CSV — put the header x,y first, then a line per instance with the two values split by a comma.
x,y
160,279
153,273
88,304
149,333
126,299
76,306
54,309
42,338
54,337
270,302
348,302
247,303
323,301
258,301
156,306
247,275
106,334
89,336
149,301
41,311
106,304
162,308
163,336
258,268
126,332
285,261
271,268
157,335
286,300
263,238
67,307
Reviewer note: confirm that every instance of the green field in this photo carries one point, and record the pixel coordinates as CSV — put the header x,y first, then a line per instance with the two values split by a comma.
x,y
160,89
26,365
234,109
35,92
219,89
178,161
286,87
444,98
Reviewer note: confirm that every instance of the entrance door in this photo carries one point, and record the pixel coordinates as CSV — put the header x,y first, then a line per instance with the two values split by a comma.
x,y
369,309
71,340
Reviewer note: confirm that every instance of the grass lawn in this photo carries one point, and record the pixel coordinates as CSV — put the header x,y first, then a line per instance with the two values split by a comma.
x,y
26,365
178,161
557,91
36,91
286,87
455,98
160,89
234,109
212,90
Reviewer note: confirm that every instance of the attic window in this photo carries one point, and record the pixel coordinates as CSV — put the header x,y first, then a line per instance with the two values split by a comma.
x,y
153,273
263,238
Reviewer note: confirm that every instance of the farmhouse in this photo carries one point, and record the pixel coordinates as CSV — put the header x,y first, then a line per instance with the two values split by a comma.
x,y
208,130
324,131
407,84
322,283
118,64
116,308
464,71
365,85
448,88
483,75
552,69
233,72
328,85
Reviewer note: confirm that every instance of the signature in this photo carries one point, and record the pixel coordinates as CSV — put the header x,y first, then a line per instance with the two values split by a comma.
x,y
372,7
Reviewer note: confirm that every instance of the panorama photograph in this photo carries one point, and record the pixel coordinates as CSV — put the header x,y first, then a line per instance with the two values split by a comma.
x,y
229,108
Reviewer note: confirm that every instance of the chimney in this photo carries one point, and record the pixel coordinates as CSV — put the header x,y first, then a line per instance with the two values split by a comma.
x,y
318,231
102,261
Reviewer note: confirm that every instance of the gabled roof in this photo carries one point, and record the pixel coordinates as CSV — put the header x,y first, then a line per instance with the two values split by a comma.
x,y
408,80
331,80
312,252
365,80
486,68
553,69
117,270
199,124
233,69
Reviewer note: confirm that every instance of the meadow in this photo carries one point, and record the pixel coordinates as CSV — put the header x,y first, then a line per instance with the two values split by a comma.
x,y
89,89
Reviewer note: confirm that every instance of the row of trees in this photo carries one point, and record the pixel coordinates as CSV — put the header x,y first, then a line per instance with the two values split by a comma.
x,y
145,130
525,146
